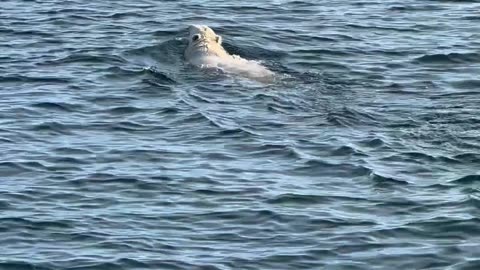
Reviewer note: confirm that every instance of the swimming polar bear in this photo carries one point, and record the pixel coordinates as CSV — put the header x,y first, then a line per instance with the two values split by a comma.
x,y
205,50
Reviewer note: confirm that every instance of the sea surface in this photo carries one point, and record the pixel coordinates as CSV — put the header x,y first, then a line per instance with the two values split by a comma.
x,y
363,153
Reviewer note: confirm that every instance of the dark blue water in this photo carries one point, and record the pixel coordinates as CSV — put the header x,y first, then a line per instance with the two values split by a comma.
x,y
363,154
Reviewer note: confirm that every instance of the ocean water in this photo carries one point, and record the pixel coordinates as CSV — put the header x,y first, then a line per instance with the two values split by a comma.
x,y
364,153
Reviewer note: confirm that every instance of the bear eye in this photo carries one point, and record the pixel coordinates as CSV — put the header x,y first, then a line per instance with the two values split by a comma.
x,y
195,37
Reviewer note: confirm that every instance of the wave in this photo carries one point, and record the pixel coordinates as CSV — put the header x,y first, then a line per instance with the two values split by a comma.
x,y
24,265
450,58
85,58
33,79
54,127
467,180
308,199
332,169
57,106
385,181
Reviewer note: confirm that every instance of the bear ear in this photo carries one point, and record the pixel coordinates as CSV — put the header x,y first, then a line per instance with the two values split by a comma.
x,y
219,39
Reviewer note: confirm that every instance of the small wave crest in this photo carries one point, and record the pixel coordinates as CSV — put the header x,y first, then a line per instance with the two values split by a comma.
x,y
449,58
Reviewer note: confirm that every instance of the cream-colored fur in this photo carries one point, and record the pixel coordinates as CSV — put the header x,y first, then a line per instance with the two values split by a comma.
x,y
205,50
202,42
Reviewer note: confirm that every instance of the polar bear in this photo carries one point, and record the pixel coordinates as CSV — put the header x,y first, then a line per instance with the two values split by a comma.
x,y
205,50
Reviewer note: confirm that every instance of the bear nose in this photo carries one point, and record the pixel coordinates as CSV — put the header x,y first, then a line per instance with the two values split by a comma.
x,y
195,37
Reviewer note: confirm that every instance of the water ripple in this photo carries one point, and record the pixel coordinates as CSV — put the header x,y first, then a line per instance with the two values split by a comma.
x,y
362,154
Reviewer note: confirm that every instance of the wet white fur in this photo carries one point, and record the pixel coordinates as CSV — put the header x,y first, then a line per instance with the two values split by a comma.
x,y
205,50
